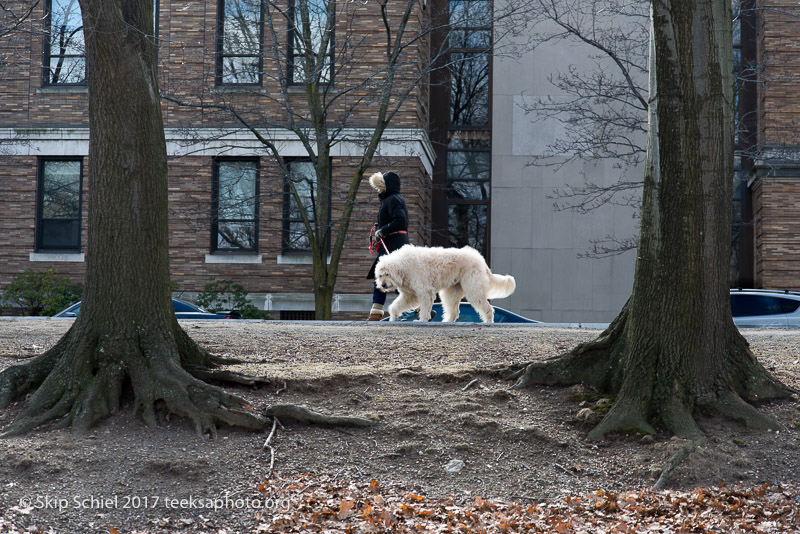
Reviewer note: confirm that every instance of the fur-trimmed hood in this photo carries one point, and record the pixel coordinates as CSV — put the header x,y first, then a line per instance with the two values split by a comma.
x,y
385,184
377,182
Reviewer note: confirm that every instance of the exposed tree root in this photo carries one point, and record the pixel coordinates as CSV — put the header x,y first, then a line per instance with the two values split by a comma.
x,y
622,416
82,380
19,380
588,363
731,405
654,384
223,376
304,415
675,460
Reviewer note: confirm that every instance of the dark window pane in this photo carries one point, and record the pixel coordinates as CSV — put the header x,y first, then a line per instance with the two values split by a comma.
x,y
470,38
237,190
60,234
61,191
468,165
236,235
297,237
245,70
468,191
744,305
182,306
468,140
789,305
469,89
468,226
303,176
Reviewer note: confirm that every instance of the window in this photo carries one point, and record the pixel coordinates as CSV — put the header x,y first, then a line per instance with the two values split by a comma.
x,y
58,219
468,226
240,34
304,178
64,52
320,34
234,221
468,153
469,89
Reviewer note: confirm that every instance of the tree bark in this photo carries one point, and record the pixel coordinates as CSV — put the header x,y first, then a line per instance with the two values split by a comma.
x,y
674,347
126,337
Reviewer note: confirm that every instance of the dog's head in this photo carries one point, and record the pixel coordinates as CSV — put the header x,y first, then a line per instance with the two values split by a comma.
x,y
387,277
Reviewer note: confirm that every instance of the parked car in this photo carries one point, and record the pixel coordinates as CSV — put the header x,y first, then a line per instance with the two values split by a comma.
x,y
756,308
183,310
467,314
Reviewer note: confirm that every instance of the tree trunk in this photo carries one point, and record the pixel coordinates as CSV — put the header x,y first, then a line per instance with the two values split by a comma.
x,y
323,290
674,346
126,337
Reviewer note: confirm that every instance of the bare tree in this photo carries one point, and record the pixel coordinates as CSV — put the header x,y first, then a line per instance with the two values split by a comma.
x,y
140,348
601,103
674,348
349,94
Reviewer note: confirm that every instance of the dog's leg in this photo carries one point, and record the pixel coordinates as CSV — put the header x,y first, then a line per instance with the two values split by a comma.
x,y
481,305
425,301
397,307
451,297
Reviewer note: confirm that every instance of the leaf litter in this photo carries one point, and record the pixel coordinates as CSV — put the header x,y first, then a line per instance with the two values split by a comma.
x,y
524,462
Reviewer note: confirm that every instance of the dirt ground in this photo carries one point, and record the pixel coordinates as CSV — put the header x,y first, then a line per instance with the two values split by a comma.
x,y
436,395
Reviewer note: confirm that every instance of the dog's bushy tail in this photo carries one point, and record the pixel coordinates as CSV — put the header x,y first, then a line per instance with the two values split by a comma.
x,y
500,286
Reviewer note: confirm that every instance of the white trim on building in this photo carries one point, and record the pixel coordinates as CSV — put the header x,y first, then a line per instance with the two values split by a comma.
x,y
396,142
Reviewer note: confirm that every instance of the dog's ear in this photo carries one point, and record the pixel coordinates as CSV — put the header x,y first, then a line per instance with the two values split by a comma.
x,y
397,275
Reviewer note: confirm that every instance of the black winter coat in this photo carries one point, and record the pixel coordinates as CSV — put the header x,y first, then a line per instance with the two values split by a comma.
x,y
392,218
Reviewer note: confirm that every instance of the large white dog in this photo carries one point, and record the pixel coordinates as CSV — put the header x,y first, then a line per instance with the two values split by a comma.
x,y
418,273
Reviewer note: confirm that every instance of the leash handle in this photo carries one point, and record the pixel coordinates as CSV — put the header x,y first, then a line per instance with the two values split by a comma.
x,y
378,246
372,240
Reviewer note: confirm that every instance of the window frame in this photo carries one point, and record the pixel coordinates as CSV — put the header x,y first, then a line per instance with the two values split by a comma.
x,y
40,219
47,55
290,55
221,55
215,220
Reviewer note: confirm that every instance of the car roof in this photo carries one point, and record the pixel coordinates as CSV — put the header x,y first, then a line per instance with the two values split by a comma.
x,y
776,292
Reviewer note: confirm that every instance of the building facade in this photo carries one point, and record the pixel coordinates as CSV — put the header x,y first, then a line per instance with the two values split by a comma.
x,y
232,78
771,163
463,141
549,250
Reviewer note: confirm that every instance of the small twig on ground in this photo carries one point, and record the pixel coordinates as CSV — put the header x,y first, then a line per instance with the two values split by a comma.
x,y
267,445
567,471
465,388
282,388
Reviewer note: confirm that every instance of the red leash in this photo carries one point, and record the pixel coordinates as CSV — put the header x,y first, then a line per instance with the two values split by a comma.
x,y
378,245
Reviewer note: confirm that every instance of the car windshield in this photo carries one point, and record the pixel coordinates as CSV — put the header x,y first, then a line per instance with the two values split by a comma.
x,y
181,306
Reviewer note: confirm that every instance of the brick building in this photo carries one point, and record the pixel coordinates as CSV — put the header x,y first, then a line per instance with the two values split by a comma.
x,y
771,166
231,214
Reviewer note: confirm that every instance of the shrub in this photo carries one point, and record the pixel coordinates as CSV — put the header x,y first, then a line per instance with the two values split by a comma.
x,y
42,292
226,295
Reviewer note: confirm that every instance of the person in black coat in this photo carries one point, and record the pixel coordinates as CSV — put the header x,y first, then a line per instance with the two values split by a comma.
x,y
390,232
